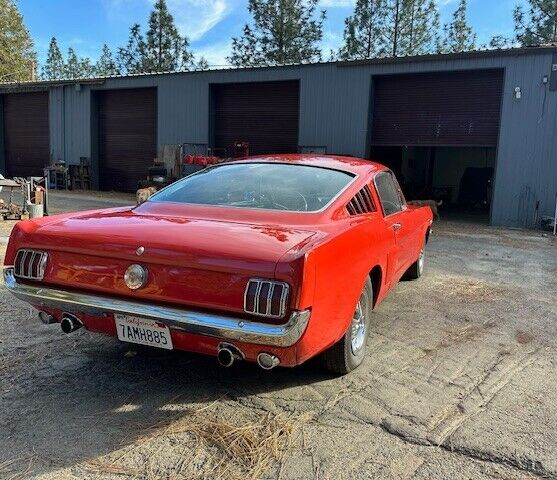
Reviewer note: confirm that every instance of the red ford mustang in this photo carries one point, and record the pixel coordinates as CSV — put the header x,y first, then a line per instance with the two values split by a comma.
x,y
272,259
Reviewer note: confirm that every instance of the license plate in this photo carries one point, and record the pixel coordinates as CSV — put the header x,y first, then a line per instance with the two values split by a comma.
x,y
143,331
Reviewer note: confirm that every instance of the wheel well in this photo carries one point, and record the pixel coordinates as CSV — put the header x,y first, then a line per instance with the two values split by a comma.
x,y
376,276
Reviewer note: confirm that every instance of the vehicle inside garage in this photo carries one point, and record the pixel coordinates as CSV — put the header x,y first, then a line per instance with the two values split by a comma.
x,y
264,115
26,133
438,132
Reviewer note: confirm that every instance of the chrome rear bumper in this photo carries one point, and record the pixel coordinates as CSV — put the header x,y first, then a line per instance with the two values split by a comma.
x,y
221,326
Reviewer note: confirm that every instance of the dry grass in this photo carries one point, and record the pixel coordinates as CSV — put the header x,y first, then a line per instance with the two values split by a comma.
x,y
11,469
107,468
235,450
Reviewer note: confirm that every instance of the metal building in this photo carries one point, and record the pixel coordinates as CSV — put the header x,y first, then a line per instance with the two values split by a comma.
x,y
477,127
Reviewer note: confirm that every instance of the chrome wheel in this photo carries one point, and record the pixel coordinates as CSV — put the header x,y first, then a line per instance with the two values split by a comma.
x,y
358,327
421,261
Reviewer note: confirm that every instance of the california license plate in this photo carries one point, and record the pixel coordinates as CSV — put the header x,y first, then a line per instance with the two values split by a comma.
x,y
143,331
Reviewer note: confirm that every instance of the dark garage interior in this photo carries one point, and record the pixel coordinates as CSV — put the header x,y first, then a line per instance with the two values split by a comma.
x,y
438,132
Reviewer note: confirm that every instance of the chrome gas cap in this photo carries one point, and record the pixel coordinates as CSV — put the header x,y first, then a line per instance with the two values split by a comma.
x,y
135,276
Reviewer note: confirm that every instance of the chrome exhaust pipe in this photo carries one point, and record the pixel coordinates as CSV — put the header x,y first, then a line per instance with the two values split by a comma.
x,y
46,318
267,361
228,354
70,323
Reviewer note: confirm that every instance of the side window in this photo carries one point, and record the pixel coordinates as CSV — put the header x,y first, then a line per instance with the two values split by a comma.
x,y
389,193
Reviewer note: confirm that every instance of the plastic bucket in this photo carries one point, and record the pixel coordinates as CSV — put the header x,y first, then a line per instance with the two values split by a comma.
x,y
35,211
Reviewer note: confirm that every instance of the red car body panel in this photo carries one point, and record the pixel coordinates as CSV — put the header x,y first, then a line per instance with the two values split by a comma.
x,y
202,257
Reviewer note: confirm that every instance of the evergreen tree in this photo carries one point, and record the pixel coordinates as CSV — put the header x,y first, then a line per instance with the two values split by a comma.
x,y
202,64
72,66
499,41
162,49
53,69
106,66
17,56
416,28
364,31
165,49
458,35
130,59
282,32
380,28
538,25
86,68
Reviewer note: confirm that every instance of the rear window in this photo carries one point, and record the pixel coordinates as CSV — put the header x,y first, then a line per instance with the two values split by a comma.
x,y
274,186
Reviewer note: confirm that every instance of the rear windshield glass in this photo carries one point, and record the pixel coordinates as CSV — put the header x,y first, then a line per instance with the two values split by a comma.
x,y
275,186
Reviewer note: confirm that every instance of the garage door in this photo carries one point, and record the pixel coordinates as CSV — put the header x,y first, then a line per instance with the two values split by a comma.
x,y
127,137
443,108
264,114
26,144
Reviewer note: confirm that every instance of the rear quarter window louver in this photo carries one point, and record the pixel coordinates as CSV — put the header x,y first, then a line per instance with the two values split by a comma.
x,y
361,203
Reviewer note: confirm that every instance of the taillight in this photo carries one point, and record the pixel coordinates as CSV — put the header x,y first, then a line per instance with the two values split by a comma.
x,y
266,298
30,264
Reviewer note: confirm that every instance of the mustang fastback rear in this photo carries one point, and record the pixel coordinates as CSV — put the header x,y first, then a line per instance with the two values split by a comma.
x,y
268,259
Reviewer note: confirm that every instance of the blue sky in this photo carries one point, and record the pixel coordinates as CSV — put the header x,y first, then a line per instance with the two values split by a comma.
x,y
85,25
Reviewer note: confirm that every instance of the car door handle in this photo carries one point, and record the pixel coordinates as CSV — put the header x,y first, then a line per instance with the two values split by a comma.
x,y
396,226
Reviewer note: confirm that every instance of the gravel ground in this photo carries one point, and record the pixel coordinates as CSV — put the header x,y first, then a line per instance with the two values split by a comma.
x,y
460,382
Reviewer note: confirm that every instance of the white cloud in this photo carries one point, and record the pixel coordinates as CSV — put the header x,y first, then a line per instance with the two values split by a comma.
x,y
194,18
336,3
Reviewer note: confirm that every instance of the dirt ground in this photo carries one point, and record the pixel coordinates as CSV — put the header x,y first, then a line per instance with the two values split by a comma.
x,y
460,382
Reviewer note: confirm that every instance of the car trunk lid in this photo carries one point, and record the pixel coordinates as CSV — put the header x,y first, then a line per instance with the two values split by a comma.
x,y
192,261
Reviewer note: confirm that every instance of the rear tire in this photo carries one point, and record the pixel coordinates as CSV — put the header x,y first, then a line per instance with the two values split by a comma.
x,y
349,352
417,268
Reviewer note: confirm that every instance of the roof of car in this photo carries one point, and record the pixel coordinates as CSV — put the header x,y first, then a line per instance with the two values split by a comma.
x,y
354,165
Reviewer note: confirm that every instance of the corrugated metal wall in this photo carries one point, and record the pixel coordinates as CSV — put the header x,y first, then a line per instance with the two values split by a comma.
x,y
334,113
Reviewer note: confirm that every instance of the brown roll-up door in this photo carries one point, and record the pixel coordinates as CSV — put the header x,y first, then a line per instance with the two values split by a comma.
x,y
435,109
127,137
264,114
26,142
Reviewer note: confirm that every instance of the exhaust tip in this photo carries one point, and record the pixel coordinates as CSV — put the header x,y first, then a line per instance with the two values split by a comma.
x,y
225,357
267,361
70,323
227,354
46,318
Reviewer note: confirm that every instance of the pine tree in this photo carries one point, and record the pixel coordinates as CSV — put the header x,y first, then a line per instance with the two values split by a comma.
x,y
72,67
458,35
364,31
538,25
380,28
53,69
282,32
86,68
162,49
202,64
165,49
17,56
106,66
416,27
130,59
498,41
